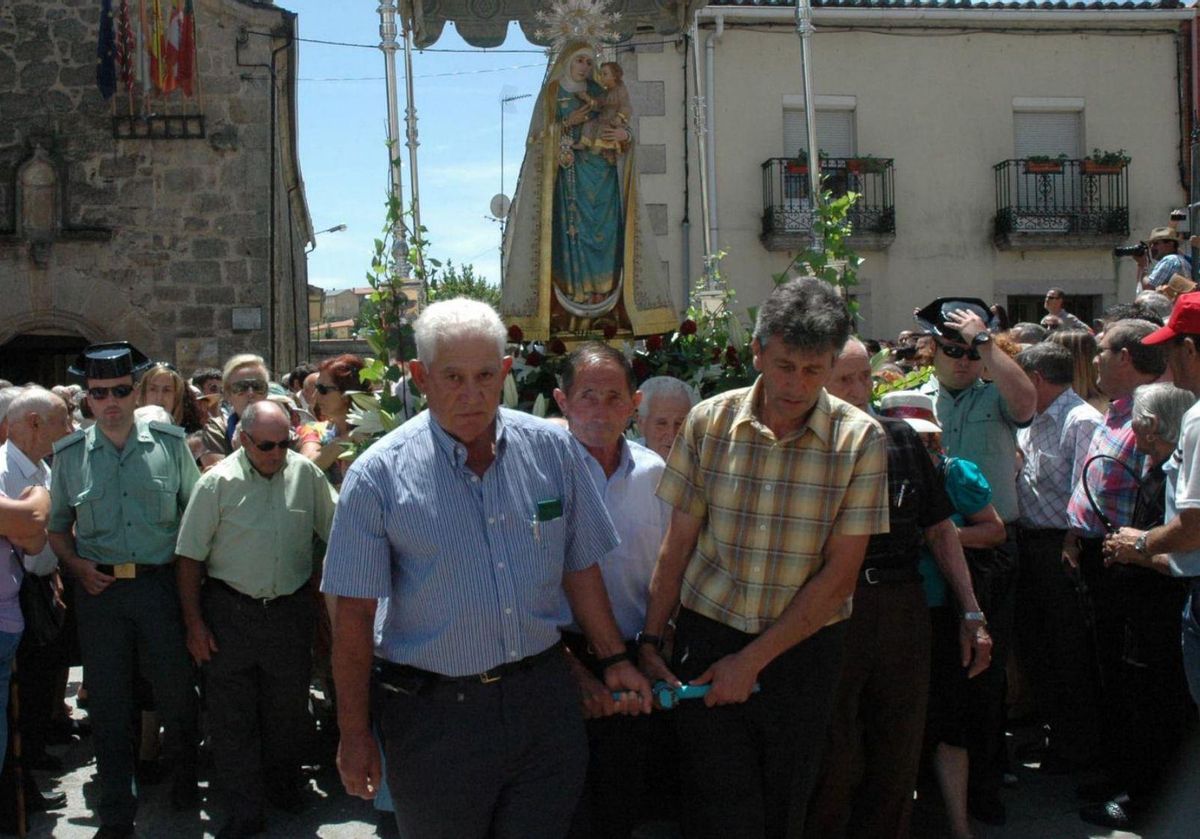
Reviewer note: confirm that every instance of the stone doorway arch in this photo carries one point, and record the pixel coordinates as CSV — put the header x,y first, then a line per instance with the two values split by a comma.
x,y
39,349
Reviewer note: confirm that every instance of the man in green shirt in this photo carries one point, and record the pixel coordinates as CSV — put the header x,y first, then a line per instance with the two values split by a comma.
x,y
249,528
117,492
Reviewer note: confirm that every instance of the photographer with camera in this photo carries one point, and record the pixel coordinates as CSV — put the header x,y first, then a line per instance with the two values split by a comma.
x,y
1157,259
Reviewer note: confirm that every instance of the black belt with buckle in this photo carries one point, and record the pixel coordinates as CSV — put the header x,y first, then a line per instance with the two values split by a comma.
x,y
889,576
131,570
264,602
404,678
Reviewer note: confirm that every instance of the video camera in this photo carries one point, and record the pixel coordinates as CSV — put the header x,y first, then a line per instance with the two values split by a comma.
x,y
1132,250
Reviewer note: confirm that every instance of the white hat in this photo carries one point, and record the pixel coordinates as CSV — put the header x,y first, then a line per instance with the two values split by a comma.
x,y
914,408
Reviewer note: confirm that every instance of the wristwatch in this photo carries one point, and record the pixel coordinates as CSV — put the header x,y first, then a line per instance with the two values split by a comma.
x,y
975,617
647,638
982,338
1139,544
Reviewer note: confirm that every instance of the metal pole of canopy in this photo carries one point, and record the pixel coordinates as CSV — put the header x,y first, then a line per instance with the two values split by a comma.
x,y
699,105
387,43
804,26
410,116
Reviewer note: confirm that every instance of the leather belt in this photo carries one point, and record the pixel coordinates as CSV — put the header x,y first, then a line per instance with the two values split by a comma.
x,y
889,576
404,678
264,602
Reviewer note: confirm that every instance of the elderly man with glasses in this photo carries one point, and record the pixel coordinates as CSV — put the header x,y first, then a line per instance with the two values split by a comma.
x,y
245,380
980,417
248,536
117,493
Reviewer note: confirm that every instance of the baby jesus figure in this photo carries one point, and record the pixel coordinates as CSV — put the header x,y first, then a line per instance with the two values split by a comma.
x,y
613,111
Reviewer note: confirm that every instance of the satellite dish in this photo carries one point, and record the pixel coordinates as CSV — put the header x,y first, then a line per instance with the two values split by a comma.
x,y
500,205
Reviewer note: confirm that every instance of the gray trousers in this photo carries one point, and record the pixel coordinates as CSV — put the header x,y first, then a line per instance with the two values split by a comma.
x,y
135,622
256,690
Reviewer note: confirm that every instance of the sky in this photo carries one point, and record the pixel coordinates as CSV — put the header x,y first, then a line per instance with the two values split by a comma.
x,y
343,137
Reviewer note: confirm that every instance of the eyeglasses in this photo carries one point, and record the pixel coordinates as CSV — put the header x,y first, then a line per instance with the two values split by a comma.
x,y
326,389
270,445
99,394
955,351
256,385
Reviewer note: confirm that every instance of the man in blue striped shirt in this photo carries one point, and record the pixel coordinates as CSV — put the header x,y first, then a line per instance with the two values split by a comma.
x,y
482,529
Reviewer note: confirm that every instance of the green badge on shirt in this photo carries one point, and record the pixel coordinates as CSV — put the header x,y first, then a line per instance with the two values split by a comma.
x,y
549,509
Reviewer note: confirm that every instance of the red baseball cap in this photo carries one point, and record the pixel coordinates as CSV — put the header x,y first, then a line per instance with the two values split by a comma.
x,y
1184,320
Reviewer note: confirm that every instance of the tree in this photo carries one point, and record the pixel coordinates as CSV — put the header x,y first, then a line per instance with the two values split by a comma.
x,y
449,281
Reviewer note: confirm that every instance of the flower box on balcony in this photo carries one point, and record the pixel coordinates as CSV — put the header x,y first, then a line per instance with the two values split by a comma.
x,y
1043,167
796,168
865,165
1091,167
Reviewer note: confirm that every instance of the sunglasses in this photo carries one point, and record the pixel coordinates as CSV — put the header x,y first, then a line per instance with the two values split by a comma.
x,y
270,445
101,393
955,351
326,389
256,385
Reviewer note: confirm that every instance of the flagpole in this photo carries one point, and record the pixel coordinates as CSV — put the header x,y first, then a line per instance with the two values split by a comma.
x,y
196,65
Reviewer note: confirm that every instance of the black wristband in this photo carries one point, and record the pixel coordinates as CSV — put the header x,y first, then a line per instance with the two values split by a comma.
x,y
605,663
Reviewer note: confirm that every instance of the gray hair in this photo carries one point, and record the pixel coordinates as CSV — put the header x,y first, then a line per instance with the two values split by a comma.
x,y
454,320
7,395
1155,302
255,410
33,400
1053,362
1165,404
664,386
807,314
243,360
1028,333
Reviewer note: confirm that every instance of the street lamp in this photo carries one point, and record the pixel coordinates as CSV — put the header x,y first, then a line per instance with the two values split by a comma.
x,y
804,26
337,228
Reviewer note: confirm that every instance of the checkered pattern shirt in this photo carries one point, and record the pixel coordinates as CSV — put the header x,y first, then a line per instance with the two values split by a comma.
x,y
1054,448
1114,489
768,503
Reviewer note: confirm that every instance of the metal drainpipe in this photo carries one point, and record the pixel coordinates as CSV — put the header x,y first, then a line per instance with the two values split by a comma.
x,y
710,146
686,224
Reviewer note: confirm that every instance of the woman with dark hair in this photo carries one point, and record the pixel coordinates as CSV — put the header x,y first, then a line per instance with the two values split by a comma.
x,y
335,378
162,386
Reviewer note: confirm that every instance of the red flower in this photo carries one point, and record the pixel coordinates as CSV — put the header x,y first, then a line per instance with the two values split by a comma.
x,y
610,331
640,369
688,327
558,347
732,358
534,358
654,343
515,334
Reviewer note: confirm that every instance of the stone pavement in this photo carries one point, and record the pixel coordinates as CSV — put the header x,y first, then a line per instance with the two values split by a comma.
x,y
1038,808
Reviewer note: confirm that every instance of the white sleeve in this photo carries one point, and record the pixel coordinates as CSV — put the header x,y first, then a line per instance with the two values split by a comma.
x,y
1187,489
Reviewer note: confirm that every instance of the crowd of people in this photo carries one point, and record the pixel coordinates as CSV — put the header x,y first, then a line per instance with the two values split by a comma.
x,y
777,612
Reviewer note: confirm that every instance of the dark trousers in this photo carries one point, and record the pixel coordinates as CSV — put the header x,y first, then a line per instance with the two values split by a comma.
x,y
994,576
748,770
875,733
632,773
135,622
256,689
504,760
1054,645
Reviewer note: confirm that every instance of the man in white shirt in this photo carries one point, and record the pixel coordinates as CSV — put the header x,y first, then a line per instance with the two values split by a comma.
x,y
626,777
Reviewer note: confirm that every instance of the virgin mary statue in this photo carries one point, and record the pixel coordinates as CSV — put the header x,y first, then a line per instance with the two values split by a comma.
x,y
579,258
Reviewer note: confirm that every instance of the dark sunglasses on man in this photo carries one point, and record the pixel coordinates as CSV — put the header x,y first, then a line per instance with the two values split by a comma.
x,y
256,385
271,445
99,394
955,351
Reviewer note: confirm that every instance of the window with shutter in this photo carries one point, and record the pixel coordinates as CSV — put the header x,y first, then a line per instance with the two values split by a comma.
x,y
1049,133
835,132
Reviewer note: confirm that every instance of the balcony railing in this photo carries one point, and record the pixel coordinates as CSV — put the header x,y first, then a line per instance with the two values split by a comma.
x,y
1060,204
788,207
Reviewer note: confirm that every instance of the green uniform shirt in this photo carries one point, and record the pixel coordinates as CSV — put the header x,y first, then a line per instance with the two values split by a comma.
x,y
256,533
125,504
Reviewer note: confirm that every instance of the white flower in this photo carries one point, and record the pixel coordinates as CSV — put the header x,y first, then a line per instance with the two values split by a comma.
x,y
511,397
539,406
367,423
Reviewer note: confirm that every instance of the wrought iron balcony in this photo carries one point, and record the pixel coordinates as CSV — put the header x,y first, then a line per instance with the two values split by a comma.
x,y
1060,204
788,207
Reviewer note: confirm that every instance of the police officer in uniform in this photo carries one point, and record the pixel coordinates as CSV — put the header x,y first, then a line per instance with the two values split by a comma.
x,y
117,492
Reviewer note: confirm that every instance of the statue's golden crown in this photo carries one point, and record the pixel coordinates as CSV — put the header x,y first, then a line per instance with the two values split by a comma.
x,y
577,21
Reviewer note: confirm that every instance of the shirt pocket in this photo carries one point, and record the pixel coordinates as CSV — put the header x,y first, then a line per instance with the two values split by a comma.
x,y
980,432
90,520
160,501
